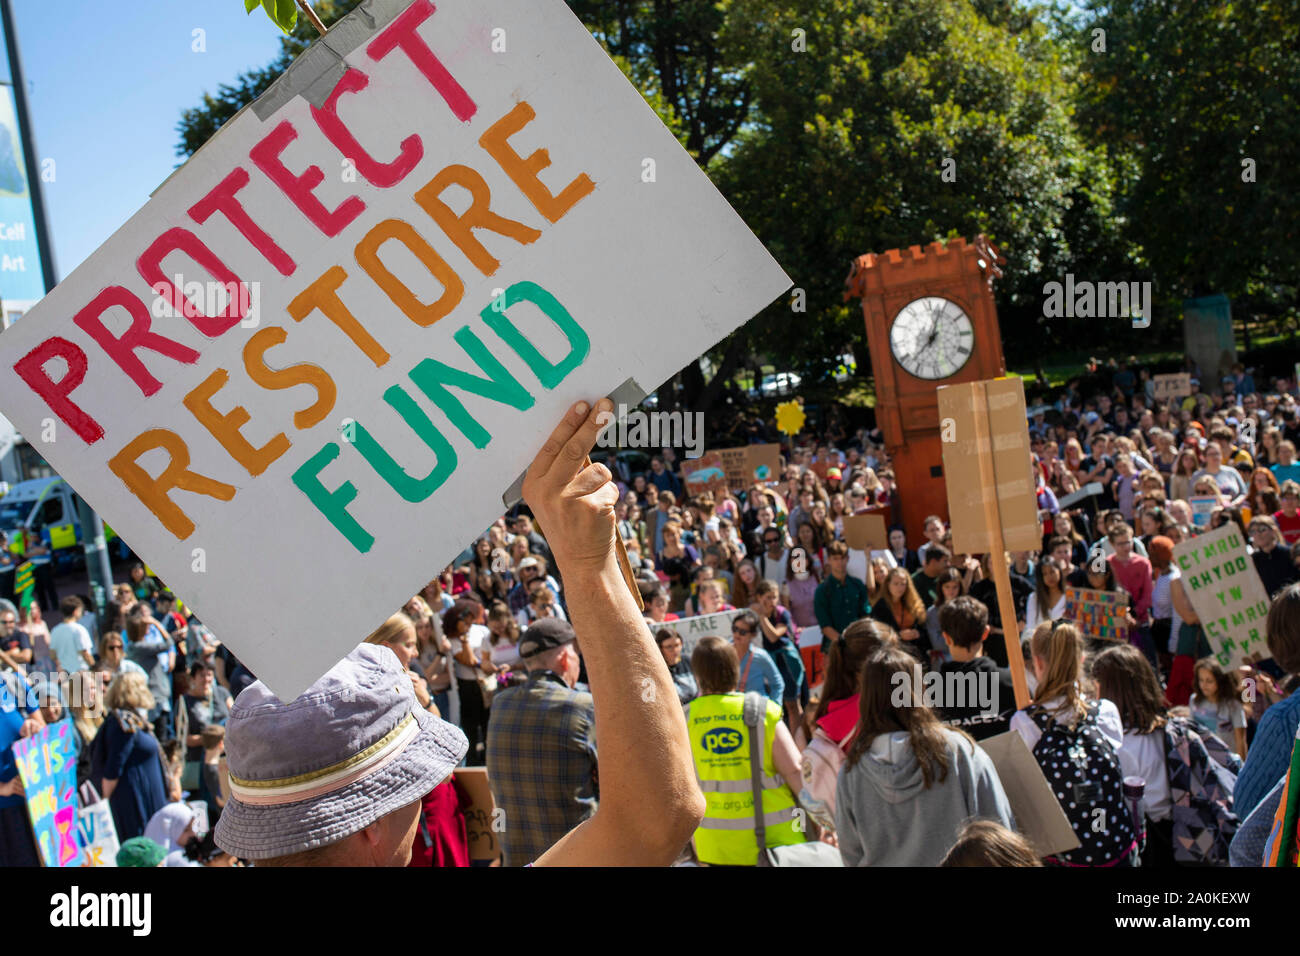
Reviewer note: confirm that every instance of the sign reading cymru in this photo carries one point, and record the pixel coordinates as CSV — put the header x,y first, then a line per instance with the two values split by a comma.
x,y
304,374
1219,578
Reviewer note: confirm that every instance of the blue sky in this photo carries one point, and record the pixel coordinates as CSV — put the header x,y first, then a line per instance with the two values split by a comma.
x,y
106,87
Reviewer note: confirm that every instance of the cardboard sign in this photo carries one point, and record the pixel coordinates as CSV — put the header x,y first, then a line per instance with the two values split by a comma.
x,y
691,629
321,354
705,473
1220,580
750,463
990,482
986,466
1202,510
47,763
1039,817
1172,386
866,532
481,819
1098,614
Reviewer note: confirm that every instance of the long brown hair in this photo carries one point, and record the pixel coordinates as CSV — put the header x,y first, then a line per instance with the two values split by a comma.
x,y
845,658
878,715
989,843
910,601
1060,646
1125,678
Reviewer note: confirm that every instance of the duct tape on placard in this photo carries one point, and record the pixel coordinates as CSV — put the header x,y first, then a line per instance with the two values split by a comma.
x,y
315,74
627,395
317,71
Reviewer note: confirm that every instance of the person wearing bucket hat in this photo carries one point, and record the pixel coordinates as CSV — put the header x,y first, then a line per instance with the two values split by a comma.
x,y
140,851
335,777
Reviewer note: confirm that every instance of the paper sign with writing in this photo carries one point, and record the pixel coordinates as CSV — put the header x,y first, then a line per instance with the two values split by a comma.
x,y
1099,614
1202,510
1172,386
705,473
483,821
47,763
1220,579
318,357
98,834
691,629
750,463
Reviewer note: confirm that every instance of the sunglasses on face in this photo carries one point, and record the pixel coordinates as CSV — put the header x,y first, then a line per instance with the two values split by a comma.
x,y
743,630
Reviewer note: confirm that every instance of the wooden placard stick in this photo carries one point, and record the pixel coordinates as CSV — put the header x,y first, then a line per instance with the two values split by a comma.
x,y
997,552
624,563
310,14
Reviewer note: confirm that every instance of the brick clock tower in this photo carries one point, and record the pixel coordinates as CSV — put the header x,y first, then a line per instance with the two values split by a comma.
x,y
930,321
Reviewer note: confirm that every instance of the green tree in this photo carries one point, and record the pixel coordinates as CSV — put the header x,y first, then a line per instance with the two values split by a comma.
x,y
200,123
887,125
1202,101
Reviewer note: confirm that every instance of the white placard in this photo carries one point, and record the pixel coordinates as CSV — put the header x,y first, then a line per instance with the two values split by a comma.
x,y
482,188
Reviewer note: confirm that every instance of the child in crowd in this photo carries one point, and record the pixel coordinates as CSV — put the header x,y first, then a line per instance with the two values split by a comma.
x,y
1216,704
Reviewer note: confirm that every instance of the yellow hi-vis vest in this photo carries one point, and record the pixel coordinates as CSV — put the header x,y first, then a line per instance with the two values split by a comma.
x,y
720,747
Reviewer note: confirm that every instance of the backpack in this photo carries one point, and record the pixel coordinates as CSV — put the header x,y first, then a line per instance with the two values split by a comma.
x,y
1202,775
820,763
1084,773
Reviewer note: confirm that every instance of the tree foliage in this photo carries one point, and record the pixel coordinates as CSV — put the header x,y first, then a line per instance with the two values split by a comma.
x,y
857,132
200,123
1191,95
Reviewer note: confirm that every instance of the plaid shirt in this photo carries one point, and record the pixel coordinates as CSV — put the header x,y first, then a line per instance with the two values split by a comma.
x,y
541,762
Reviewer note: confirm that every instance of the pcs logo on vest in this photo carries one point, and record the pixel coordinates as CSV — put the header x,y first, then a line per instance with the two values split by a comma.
x,y
720,740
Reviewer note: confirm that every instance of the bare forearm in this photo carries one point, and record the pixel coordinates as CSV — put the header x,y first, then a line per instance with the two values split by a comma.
x,y
645,757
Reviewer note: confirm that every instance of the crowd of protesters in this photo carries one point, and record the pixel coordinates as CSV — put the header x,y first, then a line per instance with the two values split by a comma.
x,y
487,646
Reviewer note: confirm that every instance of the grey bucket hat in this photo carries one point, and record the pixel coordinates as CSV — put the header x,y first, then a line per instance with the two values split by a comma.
x,y
355,747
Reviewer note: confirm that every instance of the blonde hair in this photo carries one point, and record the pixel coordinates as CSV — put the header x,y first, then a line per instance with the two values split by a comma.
x,y
422,609
1060,647
85,718
129,691
392,631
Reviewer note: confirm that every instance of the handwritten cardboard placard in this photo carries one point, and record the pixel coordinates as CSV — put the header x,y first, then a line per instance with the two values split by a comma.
x,y
691,629
330,343
1098,614
482,822
705,473
47,763
1178,385
1220,580
749,464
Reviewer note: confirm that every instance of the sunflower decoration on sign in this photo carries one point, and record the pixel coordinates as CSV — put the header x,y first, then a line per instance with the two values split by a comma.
x,y
790,418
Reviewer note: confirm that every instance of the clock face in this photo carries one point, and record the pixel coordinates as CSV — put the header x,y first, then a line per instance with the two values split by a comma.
x,y
932,338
